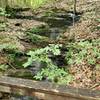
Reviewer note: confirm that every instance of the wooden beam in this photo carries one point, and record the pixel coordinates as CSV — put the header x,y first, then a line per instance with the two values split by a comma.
x,y
45,90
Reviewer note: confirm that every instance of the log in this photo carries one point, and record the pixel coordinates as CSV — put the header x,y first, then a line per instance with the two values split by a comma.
x,y
45,90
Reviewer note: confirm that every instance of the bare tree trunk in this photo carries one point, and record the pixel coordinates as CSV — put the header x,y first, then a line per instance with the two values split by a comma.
x,y
75,10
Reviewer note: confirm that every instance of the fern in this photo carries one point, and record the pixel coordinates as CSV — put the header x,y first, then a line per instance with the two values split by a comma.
x,y
50,72
42,55
83,51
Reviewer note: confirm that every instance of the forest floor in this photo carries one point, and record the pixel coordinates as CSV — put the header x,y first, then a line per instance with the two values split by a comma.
x,y
57,16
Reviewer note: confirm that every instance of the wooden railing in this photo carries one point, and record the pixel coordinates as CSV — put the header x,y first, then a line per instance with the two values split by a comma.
x,y
45,90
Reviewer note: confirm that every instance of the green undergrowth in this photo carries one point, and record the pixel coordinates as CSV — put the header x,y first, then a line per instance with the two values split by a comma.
x,y
8,43
40,30
37,39
50,71
3,12
87,52
34,4
37,3
3,67
77,53
3,26
9,47
82,52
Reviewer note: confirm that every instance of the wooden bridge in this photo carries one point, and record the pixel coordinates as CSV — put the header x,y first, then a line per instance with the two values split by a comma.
x,y
45,90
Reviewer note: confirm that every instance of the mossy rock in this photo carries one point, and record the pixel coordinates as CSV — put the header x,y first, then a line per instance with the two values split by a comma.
x,y
20,73
9,43
39,35
42,30
38,40
17,59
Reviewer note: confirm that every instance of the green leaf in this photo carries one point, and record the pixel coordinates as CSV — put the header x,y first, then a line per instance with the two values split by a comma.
x,y
3,67
29,62
91,61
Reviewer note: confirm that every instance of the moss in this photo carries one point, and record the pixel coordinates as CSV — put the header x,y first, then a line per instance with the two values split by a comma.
x,y
20,73
9,43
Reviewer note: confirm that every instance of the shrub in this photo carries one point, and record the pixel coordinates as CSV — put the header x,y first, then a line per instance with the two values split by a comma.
x,y
83,51
51,72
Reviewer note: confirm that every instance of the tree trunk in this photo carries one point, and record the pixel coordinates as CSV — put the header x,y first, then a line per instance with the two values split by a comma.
x,y
75,11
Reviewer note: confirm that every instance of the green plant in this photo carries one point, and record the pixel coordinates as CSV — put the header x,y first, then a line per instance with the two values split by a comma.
x,y
98,20
49,13
51,72
3,12
7,46
37,39
39,30
3,67
38,34
9,43
42,55
35,3
83,51
2,26
54,74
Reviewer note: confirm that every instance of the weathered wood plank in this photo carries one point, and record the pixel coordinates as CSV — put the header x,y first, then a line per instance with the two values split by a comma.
x,y
46,90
